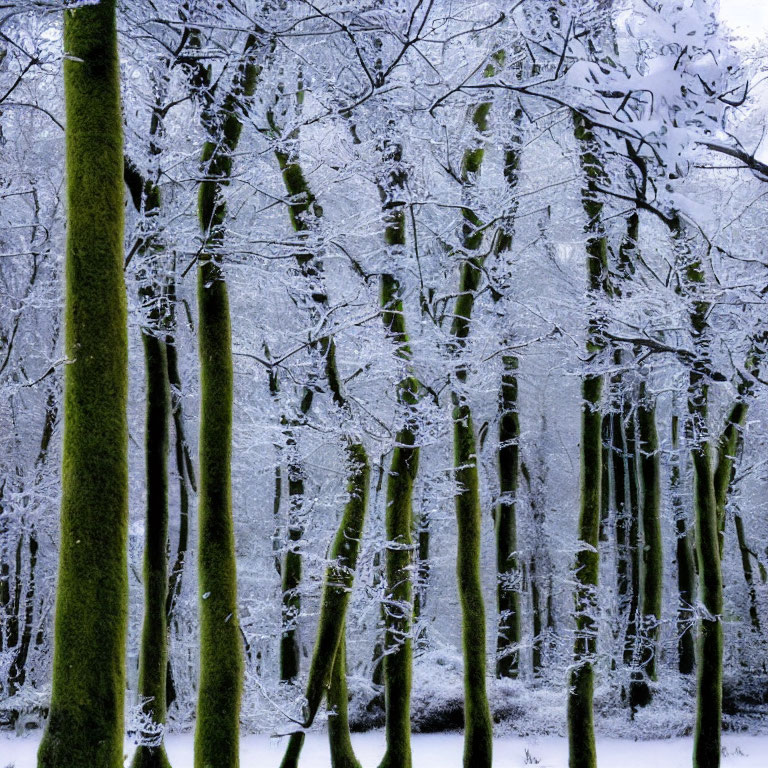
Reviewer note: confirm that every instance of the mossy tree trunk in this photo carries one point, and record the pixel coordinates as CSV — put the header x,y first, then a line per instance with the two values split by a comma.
x,y
398,603
581,734
303,208
221,652
709,682
85,726
339,578
153,658
478,727
342,754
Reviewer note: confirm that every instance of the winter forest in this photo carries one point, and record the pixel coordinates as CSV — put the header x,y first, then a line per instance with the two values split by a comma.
x,y
378,369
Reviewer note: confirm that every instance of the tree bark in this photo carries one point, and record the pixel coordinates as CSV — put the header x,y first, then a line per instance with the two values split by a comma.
x,y
221,652
339,577
653,556
507,566
85,725
686,572
153,658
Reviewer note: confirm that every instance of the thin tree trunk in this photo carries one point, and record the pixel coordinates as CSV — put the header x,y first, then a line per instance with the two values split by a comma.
x,y
153,658
652,588
631,655
85,725
581,732
18,671
507,567
686,573
398,604
339,577
746,565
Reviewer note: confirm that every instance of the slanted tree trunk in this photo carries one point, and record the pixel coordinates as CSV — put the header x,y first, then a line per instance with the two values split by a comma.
x,y
344,550
339,577
85,725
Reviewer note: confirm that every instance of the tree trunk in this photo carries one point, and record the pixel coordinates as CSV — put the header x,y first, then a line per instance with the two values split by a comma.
x,y
653,585
398,605
478,727
746,565
221,653
342,754
153,659
85,726
686,573
581,732
507,568
339,577
709,682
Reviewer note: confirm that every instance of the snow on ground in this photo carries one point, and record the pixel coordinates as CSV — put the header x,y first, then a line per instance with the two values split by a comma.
x,y
444,750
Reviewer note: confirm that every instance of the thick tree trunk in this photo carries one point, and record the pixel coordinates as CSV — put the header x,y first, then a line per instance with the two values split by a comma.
x,y
342,754
221,653
153,658
709,692
85,725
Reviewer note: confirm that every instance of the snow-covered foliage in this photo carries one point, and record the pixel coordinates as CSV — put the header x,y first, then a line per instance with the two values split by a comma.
x,y
339,86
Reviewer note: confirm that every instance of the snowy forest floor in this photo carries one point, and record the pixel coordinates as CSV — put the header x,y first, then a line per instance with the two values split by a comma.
x,y
445,750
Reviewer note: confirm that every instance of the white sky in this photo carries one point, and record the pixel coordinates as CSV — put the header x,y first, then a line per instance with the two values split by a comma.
x,y
748,18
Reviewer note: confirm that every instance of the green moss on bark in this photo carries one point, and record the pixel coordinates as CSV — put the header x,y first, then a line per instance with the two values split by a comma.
x,y
339,578
217,728
478,728
581,735
85,726
342,754
398,605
